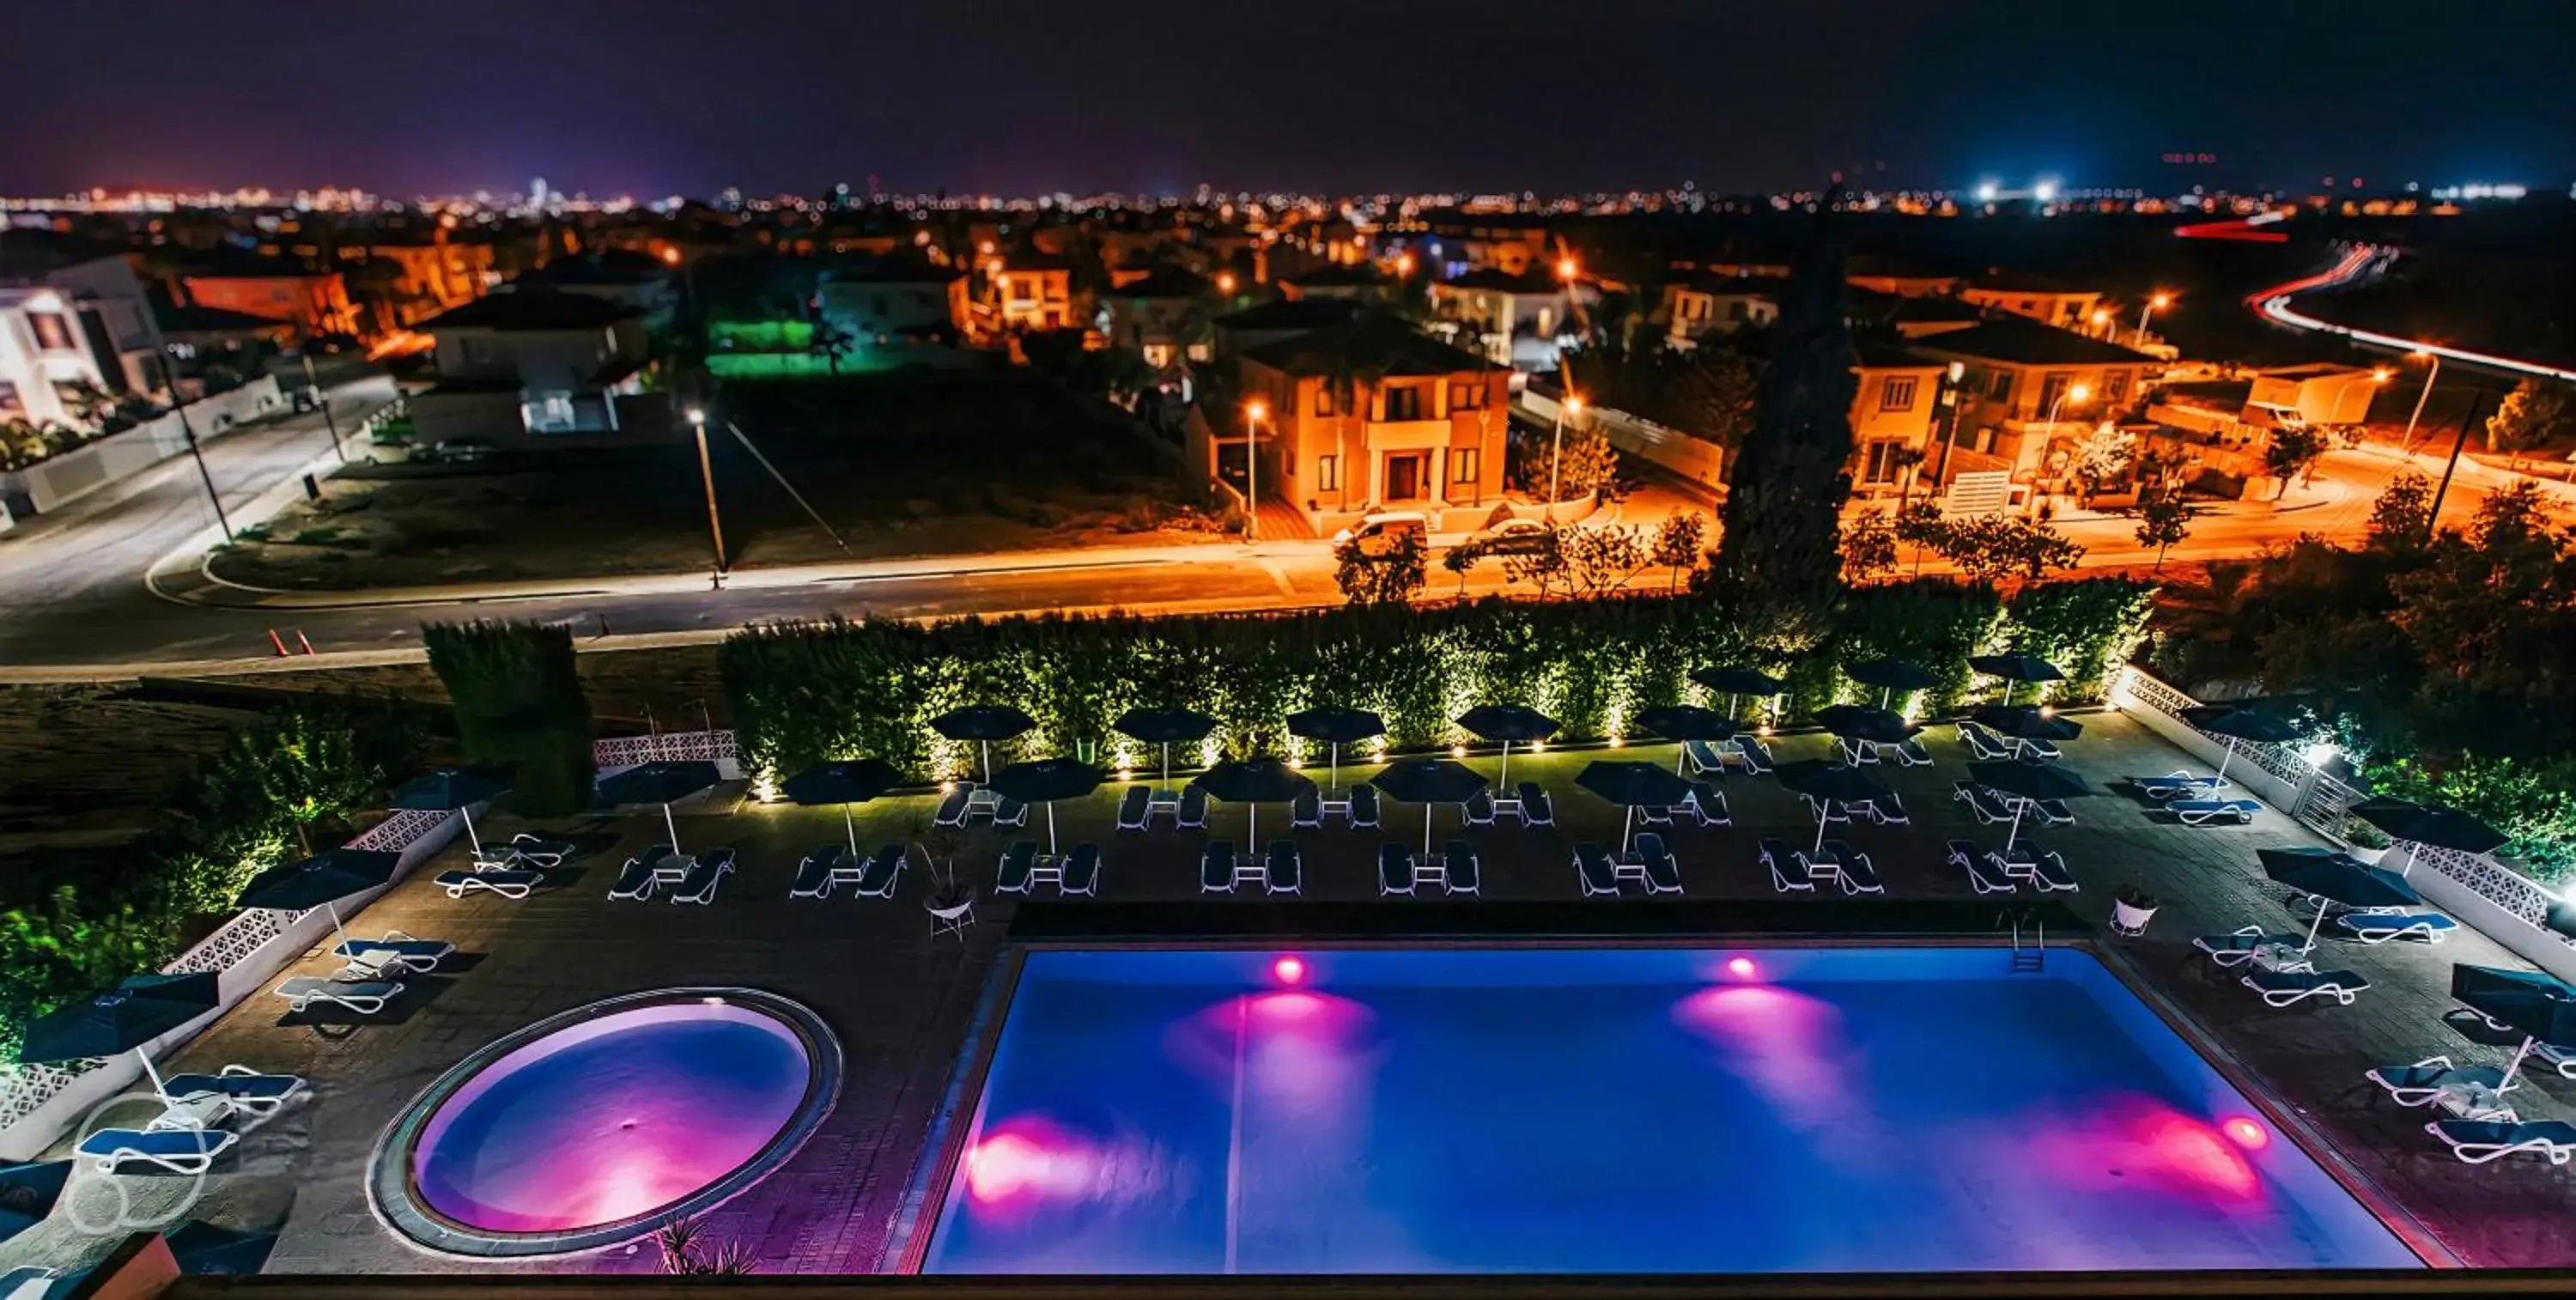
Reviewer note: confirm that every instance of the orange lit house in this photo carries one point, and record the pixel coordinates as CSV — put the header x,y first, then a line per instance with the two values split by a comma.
x,y
1372,415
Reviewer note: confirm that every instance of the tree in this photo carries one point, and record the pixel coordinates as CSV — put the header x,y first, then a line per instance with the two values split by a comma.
x,y
519,705
1778,556
1996,548
1601,560
2534,415
1461,558
832,342
2164,519
1543,566
1390,577
1590,463
1922,525
1869,548
2102,457
1679,543
2293,452
2403,516
1718,393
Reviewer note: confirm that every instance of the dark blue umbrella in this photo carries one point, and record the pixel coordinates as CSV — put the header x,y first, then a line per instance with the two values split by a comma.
x,y
1045,781
1507,723
1428,782
455,789
123,1019
661,783
1891,676
2422,824
202,1248
1335,726
1253,782
321,881
2014,666
1633,786
1165,727
1736,683
1684,723
28,1193
983,724
2236,722
2542,1008
2332,877
2025,722
1827,782
1860,722
844,782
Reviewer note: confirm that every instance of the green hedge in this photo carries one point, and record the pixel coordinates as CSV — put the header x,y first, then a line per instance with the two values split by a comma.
x,y
805,692
519,705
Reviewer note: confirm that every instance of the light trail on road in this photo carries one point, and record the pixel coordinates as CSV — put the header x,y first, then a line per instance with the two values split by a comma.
x,y
2273,304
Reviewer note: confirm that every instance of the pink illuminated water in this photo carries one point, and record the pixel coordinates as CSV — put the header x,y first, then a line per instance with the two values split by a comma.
x,y
612,1119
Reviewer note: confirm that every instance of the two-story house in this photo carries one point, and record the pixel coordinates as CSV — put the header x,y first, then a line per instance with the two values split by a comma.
x,y
897,297
1035,292
1373,415
2030,392
1516,319
2039,298
1702,304
537,369
1164,317
1895,415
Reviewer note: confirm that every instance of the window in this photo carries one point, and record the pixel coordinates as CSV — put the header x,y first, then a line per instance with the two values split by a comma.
x,y
1324,398
1999,388
1404,403
1328,473
1462,465
1466,397
2115,388
2052,386
1896,394
1881,462
9,397
53,333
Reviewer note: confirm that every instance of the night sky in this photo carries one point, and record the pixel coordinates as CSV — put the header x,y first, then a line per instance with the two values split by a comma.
x,y
661,96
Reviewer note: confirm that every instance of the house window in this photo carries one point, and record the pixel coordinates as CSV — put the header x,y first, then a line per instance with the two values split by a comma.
x,y
1896,394
2115,388
1199,352
1466,397
1404,403
2052,386
1462,465
1324,398
1880,465
1328,473
1999,388
53,333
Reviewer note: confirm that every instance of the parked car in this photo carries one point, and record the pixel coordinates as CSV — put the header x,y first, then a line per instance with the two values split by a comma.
x,y
1514,537
1378,533
454,451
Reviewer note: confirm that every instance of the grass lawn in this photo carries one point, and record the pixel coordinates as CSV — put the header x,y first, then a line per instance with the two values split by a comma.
x,y
903,466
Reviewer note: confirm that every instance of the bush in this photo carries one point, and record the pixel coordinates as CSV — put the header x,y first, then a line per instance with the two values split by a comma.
x,y
2529,801
519,705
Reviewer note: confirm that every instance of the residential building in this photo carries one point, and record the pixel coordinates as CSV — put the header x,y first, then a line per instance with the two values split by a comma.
x,y
1712,304
639,281
427,274
279,288
895,298
1896,408
104,304
1359,282
1896,276
1374,415
1518,320
1915,317
1281,318
1035,292
46,357
1164,317
536,368
2041,299
2320,394
2029,392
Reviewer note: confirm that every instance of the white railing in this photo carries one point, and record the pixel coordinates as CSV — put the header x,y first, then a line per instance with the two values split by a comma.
x,y
618,752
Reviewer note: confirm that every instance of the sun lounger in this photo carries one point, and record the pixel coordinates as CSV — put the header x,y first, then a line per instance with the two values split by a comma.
x,y
2200,812
1286,872
820,870
2043,750
1133,807
2053,812
636,879
2422,1083
1192,813
1859,874
1663,876
27,1281
2239,947
513,883
2380,927
1655,814
2049,872
704,875
1306,811
397,949
1708,803
1536,808
2175,785
192,1111
1829,810
1364,807
1010,813
1983,875
539,851
2280,988
180,1151
1702,757
1888,810
250,1091
2477,1141
1081,871
880,873
366,997
952,807
1594,869
1982,743
1756,755
1013,875
1460,874
1394,870
1989,807
1478,809
1856,752
1216,867
1776,857
1912,754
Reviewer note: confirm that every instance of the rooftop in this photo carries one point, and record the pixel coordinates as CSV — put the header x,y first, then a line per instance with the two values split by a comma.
x,y
1336,277
893,270
2002,280
615,266
1373,343
525,311
2020,341
1165,282
1529,282
1285,314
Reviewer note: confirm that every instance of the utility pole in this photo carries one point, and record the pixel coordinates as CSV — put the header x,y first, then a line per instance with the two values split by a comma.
x,y
2406,444
707,476
1252,413
323,399
2433,517
189,431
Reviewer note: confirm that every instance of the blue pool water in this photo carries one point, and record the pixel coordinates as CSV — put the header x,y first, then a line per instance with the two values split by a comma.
x,y
1616,1110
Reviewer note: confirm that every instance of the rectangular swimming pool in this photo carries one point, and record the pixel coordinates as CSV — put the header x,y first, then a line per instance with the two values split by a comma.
x,y
1616,1110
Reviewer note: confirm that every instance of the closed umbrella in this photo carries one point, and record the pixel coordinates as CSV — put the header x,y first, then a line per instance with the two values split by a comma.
x,y
1253,782
1335,726
2333,877
2421,824
1891,676
844,782
1428,782
2014,666
662,783
123,1019
1507,723
321,881
2238,723
2029,781
1045,781
1683,723
1827,782
454,789
1633,786
1736,683
2542,1008
983,724
1165,728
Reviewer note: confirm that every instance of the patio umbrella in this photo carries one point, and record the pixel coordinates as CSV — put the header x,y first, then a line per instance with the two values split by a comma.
x,y
1736,683
1861,722
123,1019
2030,781
1891,676
1165,727
454,789
662,783
983,724
1507,723
321,881
1428,781
1633,786
2237,723
1828,782
2420,824
2025,722
1335,726
844,782
1045,781
28,1193
1253,782
1684,723
202,1248
2014,666
2542,1008
2335,878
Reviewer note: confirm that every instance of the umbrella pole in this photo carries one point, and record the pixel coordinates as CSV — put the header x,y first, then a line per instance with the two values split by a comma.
x,y
1167,765
1252,827
852,827
1426,829
153,1075
470,837
1506,782
1051,850
672,827
2014,836
2313,926
1825,806
1885,693
1627,827
2516,1064
1333,778
2223,759
2411,847
988,760
333,908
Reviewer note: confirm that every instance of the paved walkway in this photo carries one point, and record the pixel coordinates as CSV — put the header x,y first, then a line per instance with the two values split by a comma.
x,y
901,1004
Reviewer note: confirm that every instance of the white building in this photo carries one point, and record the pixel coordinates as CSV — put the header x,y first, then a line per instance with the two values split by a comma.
x,y
537,369
67,323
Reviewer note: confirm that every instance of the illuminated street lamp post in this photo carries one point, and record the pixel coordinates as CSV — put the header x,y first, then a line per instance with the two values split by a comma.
x,y
1572,405
1253,413
2155,304
2406,444
323,400
707,476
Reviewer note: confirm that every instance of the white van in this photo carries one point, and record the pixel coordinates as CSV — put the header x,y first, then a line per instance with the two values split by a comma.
x,y
1377,533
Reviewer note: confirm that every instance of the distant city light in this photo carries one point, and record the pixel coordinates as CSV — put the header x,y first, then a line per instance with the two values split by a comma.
x,y
2045,191
1986,191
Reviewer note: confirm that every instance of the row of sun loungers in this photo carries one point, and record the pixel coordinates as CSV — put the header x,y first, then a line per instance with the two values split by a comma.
x,y
1650,864
691,880
961,803
1454,869
201,1118
1708,758
1281,871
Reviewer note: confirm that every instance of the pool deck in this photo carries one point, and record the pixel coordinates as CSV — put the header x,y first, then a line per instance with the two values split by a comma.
x,y
902,1003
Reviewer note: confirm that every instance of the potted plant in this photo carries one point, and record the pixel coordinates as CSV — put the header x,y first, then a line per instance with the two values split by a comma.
x,y
2131,908
2365,842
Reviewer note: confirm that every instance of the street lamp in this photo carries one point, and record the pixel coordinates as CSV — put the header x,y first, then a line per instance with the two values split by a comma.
x,y
707,477
1566,269
1572,405
2076,393
1253,413
2155,304
1225,283
2406,444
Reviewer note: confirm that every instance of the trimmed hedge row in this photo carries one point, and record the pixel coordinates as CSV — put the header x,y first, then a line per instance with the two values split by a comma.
x,y
805,692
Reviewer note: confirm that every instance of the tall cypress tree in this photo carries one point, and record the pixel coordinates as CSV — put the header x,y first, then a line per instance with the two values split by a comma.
x,y
1779,560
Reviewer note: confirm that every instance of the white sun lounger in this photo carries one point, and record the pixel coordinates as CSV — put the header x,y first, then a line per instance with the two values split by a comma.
x,y
512,884
1708,803
2201,812
699,885
1853,868
880,874
1191,814
1663,875
1594,870
250,1091
1081,871
2380,927
2477,1141
2281,988
2176,784
1459,871
1776,855
823,868
1702,757
952,807
1364,807
1756,755
1394,870
2422,1083
178,1150
397,950
1536,808
1306,811
2239,946
1983,743
1134,807
366,997
1989,808
1983,875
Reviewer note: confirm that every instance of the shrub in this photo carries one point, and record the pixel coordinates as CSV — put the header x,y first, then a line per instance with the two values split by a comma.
x,y
519,705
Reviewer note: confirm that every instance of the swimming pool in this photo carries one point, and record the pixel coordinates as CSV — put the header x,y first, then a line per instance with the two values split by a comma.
x,y
602,1123
1616,1110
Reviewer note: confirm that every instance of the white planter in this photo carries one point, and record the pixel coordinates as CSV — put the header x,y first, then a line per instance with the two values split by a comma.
x,y
2129,920
2366,857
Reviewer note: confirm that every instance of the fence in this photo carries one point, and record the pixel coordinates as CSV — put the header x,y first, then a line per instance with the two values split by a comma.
x,y
49,484
618,753
2498,901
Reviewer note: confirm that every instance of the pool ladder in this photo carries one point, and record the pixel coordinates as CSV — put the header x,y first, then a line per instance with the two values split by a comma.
x,y
2033,959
